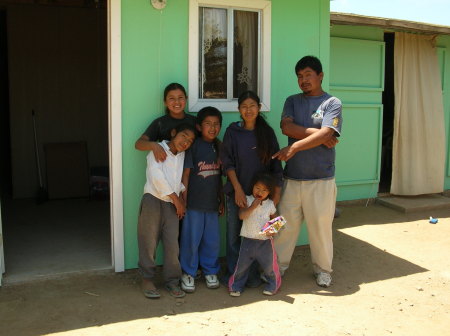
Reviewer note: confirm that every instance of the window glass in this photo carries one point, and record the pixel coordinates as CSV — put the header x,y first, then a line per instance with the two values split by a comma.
x,y
245,53
213,51
214,45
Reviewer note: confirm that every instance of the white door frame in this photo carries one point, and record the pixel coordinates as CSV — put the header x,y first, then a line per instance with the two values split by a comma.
x,y
115,133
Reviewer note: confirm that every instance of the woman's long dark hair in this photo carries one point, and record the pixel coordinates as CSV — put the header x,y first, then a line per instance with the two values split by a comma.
x,y
263,132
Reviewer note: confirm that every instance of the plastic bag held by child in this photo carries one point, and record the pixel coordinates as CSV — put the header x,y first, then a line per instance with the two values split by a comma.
x,y
273,226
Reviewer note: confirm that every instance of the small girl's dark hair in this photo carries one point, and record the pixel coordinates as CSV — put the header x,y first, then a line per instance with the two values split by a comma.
x,y
263,132
185,126
268,180
210,111
171,87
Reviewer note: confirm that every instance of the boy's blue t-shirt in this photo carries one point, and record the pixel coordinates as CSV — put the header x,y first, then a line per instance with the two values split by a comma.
x,y
313,112
205,177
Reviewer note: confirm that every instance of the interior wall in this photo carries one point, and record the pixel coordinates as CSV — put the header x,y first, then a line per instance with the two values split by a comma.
x,y
57,67
388,115
5,164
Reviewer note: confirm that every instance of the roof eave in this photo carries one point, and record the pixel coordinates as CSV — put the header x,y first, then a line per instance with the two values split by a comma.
x,y
387,24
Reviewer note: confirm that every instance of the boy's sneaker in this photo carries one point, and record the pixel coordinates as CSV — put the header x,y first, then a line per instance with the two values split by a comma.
x,y
212,281
323,279
187,283
268,292
235,293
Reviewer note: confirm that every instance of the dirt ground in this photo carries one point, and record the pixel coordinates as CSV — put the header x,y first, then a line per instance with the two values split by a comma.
x,y
391,277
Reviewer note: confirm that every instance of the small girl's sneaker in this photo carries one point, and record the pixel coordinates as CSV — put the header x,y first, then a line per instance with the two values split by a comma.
x,y
267,292
235,293
212,281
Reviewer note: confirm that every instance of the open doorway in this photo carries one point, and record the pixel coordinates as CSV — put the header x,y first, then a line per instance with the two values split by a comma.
x,y
54,62
5,168
388,115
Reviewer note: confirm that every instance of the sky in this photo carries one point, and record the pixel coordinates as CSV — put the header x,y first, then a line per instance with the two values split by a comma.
x,y
428,11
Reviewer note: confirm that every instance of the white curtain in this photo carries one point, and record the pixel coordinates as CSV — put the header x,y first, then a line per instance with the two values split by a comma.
x,y
246,34
214,28
418,160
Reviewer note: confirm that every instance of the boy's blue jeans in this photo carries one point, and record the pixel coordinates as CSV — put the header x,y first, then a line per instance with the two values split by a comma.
x,y
200,242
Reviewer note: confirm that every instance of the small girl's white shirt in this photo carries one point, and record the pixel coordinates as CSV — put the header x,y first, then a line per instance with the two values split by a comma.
x,y
258,217
164,178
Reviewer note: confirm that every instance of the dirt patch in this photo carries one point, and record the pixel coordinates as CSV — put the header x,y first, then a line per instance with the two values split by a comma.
x,y
391,276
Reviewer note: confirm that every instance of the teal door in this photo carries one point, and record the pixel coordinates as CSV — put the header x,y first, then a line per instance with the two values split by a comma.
x,y
357,78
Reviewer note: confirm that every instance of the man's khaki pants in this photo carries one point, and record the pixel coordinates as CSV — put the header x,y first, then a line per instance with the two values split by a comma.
x,y
312,201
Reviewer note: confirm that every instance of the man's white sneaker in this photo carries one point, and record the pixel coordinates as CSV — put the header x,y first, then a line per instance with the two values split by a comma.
x,y
187,283
212,281
323,279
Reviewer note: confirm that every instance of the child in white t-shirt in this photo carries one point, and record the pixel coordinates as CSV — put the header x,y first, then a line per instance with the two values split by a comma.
x,y
256,246
161,209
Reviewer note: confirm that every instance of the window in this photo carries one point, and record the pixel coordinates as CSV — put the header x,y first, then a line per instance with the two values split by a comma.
x,y
214,66
229,52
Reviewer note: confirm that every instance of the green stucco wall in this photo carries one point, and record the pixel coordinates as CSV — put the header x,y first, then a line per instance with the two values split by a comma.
x,y
155,53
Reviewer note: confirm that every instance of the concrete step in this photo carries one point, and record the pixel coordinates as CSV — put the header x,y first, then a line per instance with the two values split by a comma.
x,y
415,203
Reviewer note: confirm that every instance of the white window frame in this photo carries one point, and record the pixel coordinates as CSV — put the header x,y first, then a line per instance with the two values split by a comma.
x,y
225,105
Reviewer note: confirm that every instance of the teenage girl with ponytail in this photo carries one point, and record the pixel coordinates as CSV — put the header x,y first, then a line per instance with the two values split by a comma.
x,y
247,149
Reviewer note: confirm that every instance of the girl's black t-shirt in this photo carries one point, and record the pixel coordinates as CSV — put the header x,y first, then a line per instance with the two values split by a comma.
x,y
161,127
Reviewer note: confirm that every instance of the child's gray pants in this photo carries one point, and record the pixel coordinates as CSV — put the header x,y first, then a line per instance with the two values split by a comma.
x,y
158,220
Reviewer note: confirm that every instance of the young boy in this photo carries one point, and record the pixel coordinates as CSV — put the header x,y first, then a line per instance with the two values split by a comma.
x,y
200,236
161,208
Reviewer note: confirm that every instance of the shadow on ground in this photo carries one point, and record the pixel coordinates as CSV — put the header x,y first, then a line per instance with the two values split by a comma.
x,y
88,300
